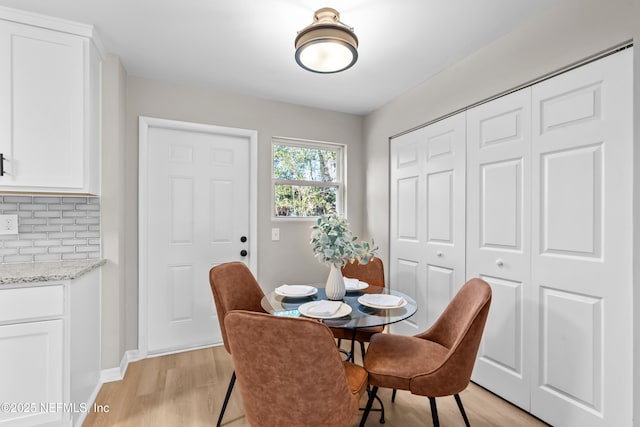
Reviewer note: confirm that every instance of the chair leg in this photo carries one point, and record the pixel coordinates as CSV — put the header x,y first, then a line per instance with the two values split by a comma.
x,y
382,421
393,395
367,409
362,350
464,414
232,381
434,412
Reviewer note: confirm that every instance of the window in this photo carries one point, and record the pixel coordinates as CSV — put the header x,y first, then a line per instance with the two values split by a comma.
x,y
307,178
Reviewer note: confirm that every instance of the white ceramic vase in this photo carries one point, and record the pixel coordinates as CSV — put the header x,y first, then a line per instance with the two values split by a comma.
x,y
335,288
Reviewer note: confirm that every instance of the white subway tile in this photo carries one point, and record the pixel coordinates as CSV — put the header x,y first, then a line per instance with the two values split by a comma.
x,y
17,258
33,236
61,235
47,243
18,199
74,242
32,251
74,228
47,214
61,250
74,256
18,244
47,257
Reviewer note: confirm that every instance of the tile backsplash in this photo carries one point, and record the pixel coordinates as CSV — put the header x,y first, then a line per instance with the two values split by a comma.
x,y
51,228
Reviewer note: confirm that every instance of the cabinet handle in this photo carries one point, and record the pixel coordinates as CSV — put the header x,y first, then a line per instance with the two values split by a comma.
x,y
439,254
243,253
499,262
1,164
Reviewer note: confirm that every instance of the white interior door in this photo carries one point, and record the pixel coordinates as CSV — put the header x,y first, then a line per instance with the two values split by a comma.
x,y
427,218
197,215
498,239
582,244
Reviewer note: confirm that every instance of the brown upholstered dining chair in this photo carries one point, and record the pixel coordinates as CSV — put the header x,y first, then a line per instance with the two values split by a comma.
x,y
291,373
437,362
234,288
373,274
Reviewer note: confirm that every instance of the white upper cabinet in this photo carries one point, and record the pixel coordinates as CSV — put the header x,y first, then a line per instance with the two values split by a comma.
x,y
49,105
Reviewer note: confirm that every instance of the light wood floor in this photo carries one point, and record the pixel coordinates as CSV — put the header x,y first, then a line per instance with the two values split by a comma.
x,y
187,389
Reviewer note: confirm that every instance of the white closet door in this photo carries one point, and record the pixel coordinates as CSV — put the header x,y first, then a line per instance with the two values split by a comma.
x,y
582,245
498,239
427,218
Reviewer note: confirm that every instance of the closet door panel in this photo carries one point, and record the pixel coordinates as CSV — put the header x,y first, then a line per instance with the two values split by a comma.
x,y
582,245
445,239
407,261
498,239
428,232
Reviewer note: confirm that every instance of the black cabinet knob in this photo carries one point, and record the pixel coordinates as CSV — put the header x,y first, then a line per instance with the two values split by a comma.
x,y
243,239
243,253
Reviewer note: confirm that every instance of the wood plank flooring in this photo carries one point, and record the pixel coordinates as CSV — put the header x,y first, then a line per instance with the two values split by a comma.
x,y
187,390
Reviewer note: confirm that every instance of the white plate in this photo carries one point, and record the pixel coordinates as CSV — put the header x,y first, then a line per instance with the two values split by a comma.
x,y
283,291
342,311
364,300
356,287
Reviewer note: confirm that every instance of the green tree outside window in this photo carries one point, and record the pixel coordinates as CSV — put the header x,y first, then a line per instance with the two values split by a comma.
x,y
306,180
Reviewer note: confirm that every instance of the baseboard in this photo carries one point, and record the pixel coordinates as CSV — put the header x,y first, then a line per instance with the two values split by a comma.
x,y
116,374
90,403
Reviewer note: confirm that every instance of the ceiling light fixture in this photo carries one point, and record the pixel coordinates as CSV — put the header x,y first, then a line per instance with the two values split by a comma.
x,y
327,45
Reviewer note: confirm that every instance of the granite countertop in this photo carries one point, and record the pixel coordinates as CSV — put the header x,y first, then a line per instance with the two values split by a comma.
x,y
45,271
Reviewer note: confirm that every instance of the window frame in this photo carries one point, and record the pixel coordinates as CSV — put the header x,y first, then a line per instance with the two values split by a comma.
x,y
341,176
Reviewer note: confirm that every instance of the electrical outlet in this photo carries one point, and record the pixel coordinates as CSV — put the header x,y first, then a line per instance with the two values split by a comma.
x,y
8,224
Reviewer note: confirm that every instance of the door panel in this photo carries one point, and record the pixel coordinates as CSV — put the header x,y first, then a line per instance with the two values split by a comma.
x,y
498,242
571,185
564,319
582,245
502,344
440,290
427,218
501,202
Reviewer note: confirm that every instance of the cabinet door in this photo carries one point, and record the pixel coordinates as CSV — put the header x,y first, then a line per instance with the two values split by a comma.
x,y
32,369
582,244
427,218
41,108
498,239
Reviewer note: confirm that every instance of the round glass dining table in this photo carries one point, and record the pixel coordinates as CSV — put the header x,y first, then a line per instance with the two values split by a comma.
x,y
361,316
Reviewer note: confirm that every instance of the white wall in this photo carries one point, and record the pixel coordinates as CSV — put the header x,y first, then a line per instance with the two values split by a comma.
x,y
114,339
636,207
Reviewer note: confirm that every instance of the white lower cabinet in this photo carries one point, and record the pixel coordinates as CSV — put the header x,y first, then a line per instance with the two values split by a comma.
x,y
31,362
49,351
549,209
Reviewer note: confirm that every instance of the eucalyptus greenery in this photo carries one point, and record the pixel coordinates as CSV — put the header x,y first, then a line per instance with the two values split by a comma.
x,y
333,243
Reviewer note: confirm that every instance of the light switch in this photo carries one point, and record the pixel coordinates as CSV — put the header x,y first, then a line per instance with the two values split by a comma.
x,y
275,234
8,224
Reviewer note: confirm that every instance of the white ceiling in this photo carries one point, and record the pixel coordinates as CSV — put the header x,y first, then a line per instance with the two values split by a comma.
x,y
246,46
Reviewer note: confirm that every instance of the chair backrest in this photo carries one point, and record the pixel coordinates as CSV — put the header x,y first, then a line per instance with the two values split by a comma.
x,y
234,288
371,272
289,371
459,328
